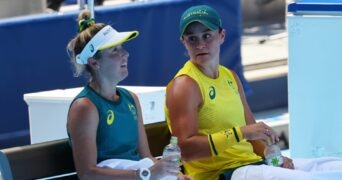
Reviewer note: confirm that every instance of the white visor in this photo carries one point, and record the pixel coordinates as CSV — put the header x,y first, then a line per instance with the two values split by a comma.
x,y
107,37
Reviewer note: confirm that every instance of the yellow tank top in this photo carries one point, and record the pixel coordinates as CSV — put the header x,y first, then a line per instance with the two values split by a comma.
x,y
222,109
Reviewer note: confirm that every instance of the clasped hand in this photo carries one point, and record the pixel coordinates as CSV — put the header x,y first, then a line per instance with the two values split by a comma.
x,y
259,131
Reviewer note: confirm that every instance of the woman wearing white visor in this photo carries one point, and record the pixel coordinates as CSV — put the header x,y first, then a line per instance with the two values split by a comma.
x,y
105,125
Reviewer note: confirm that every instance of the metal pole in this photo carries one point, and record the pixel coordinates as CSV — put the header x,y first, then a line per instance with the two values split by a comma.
x,y
91,8
81,4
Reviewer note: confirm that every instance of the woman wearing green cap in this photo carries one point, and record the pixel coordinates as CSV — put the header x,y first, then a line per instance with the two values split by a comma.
x,y
207,110
205,103
105,125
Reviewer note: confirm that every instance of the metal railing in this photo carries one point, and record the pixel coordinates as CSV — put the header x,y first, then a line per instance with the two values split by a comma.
x,y
90,6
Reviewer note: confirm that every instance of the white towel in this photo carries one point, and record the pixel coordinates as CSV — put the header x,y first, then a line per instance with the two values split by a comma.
x,y
126,164
305,169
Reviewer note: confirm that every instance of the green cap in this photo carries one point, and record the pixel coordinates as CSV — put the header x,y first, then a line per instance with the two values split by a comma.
x,y
203,14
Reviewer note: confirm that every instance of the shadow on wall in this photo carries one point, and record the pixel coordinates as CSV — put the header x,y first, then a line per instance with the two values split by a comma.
x,y
262,12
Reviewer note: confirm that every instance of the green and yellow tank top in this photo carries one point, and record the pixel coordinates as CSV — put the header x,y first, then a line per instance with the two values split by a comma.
x,y
222,109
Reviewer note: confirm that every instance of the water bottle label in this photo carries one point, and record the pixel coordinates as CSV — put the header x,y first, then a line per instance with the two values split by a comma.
x,y
275,160
177,156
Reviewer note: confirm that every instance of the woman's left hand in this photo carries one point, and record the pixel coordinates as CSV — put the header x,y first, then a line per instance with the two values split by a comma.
x,y
288,163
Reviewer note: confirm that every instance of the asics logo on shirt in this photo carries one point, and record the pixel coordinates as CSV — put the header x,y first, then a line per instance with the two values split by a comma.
x,y
110,117
212,92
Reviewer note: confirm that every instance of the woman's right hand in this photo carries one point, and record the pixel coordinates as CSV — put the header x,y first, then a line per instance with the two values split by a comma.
x,y
259,131
165,166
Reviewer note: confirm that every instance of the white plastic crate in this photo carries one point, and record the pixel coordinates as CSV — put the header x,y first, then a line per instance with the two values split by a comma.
x,y
48,110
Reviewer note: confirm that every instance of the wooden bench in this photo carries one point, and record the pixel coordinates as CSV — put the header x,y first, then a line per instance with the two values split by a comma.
x,y
54,158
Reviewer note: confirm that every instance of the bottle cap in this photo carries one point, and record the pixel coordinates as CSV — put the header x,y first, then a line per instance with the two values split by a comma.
x,y
174,140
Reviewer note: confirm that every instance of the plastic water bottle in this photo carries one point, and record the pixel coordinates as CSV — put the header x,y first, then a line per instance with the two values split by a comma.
x,y
174,150
273,155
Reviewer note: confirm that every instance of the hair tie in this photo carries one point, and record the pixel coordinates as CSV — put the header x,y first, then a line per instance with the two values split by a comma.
x,y
85,23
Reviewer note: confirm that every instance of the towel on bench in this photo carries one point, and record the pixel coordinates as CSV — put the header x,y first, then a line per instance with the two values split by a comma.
x,y
126,164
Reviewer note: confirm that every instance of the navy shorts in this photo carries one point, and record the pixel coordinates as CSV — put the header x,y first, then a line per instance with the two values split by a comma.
x,y
227,175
